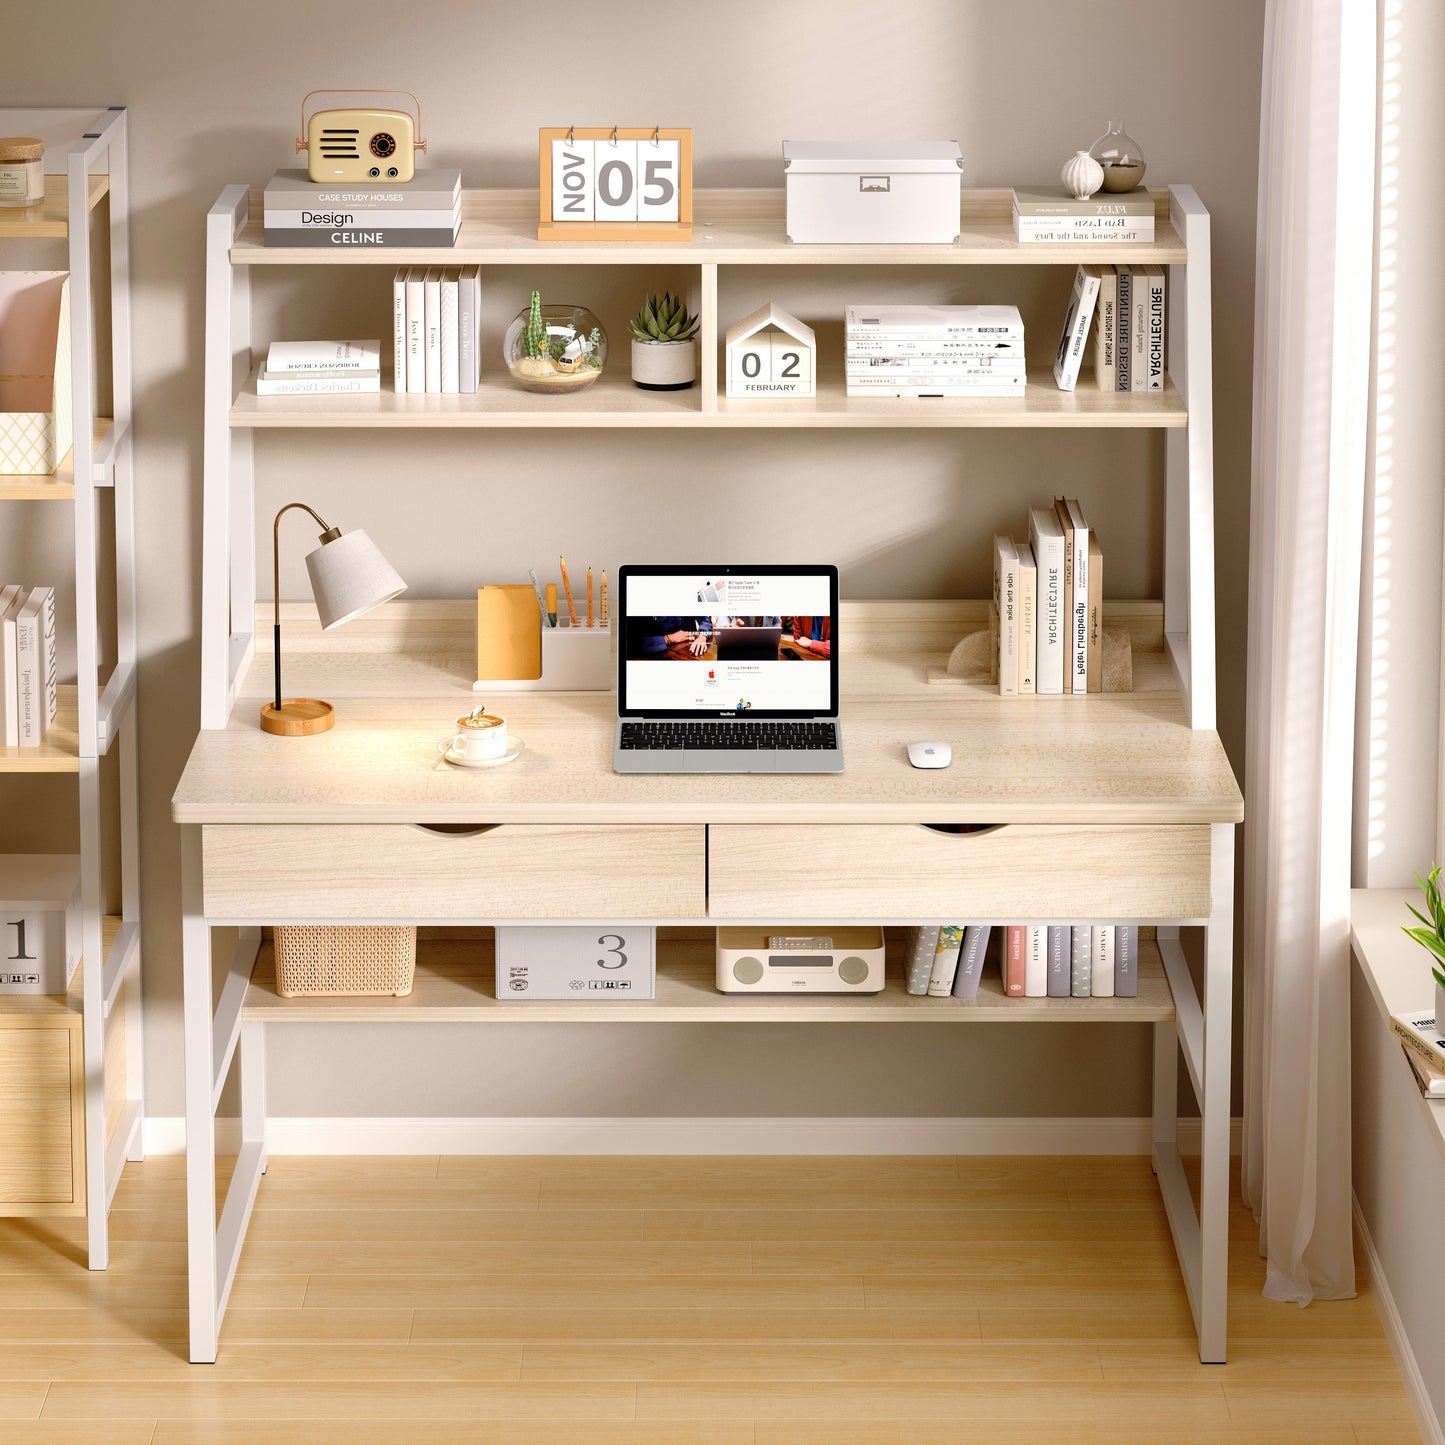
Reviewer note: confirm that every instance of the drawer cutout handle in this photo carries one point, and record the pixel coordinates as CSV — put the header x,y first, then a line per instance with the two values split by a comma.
x,y
965,830
457,830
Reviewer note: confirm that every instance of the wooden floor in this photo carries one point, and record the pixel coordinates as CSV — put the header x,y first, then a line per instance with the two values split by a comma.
x,y
679,1301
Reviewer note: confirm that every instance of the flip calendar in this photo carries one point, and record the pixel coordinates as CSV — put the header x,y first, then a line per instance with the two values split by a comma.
x,y
615,183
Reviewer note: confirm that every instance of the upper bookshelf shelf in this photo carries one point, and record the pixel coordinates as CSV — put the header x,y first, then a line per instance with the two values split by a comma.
x,y
737,227
50,220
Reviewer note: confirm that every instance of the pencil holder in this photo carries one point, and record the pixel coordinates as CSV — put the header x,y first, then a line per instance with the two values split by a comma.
x,y
574,659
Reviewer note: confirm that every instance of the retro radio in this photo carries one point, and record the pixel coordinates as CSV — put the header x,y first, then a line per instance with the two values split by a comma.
x,y
357,146
759,960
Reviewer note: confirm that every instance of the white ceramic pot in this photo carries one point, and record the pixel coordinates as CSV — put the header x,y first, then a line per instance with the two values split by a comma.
x,y
1082,174
664,365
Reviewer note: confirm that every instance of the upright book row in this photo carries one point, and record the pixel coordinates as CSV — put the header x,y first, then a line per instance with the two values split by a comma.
x,y
28,688
1047,611
1035,960
1126,306
436,311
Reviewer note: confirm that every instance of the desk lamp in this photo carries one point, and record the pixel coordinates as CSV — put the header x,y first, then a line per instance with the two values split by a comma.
x,y
349,576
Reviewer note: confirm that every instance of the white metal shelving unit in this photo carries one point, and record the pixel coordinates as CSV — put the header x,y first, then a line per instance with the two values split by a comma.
x,y
745,229
98,714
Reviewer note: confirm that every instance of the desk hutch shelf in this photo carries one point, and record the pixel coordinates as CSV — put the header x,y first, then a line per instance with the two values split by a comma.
x,y
86,206
1127,799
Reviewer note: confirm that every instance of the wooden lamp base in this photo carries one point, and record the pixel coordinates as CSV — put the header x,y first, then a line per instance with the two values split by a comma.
x,y
297,717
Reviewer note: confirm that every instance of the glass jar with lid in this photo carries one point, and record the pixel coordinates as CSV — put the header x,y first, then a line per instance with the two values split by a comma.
x,y
22,181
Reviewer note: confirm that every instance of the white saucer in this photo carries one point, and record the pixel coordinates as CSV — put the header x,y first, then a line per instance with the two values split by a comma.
x,y
514,751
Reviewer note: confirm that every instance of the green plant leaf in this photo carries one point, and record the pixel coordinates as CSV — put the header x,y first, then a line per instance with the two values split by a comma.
x,y
1429,939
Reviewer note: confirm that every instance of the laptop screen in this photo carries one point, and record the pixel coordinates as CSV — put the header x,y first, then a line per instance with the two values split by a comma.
x,y
728,641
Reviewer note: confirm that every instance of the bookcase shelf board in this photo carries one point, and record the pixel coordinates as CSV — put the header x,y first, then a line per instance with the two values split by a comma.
x,y
50,220
735,227
59,485
59,752
455,984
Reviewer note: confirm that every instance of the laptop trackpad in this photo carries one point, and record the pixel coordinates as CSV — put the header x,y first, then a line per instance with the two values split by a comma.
x,y
725,760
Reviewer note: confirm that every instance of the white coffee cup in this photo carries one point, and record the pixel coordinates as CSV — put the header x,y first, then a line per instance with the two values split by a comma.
x,y
480,736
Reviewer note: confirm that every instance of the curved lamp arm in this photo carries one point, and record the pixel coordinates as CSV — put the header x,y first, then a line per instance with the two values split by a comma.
x,y
328,534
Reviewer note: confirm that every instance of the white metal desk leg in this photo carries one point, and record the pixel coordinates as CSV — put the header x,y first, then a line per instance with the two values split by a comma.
x,y
1214,1105
200,1119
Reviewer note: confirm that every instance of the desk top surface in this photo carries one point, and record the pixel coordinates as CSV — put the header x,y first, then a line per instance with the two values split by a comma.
x,y
1110,758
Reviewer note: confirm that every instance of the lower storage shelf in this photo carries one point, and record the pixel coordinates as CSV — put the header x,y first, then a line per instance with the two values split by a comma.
x,y
455,978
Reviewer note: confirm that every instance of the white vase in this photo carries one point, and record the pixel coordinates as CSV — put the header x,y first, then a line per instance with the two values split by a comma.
x,y
664,365
1082,174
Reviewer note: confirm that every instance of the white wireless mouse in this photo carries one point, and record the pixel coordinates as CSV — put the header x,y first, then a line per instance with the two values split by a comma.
x,y
930,755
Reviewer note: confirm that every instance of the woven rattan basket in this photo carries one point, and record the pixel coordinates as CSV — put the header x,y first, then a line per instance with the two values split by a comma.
x,y
331,960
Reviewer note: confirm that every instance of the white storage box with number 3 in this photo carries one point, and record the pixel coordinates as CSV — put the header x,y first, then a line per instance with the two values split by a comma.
x,y
593,963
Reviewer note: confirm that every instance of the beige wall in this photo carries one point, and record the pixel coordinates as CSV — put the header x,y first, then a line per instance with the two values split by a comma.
x,y
214,90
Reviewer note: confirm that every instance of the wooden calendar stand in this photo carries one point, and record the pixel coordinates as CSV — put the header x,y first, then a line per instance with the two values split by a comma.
x,y
630,140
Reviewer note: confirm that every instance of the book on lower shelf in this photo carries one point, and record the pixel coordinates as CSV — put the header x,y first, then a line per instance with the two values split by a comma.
x,y
1419,1033
318,368
945,960
1056,960
426,211
1429,1079
1054,215
29,688
1077,318
934,351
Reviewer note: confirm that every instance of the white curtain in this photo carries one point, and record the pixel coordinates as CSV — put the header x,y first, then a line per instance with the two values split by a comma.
x,y
1314,284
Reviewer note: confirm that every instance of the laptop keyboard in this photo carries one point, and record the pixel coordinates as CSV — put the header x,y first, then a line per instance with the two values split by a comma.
x,y
788,736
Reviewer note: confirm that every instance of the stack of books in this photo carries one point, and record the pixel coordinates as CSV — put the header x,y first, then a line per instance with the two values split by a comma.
x,y
27,664
1052,215
426,211
1129,339
934,351
1424,1046
1047,610
436,314
320,368
1035,960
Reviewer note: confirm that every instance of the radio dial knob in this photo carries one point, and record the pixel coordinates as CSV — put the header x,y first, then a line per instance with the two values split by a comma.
x,y
853,969
748,969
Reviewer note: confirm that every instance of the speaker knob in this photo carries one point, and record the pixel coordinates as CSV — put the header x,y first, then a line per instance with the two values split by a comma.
x,y
853,969
748,969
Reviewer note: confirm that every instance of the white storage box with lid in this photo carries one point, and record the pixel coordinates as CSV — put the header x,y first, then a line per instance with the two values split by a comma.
x,y
40,919
35,420
871,192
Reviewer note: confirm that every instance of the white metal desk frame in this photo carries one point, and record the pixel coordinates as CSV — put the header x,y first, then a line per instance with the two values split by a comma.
x,y
215,1033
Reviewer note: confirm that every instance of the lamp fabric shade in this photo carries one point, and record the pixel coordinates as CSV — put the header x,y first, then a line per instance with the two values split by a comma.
x,y
349,576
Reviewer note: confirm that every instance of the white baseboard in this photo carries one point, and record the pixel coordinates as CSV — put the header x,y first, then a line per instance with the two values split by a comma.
x,y
1394,1328
688,1136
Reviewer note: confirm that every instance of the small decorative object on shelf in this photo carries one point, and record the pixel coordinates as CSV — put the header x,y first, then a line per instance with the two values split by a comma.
x,y
22,179
606,961
771,353
615,183
555,348
40,898
1431,933
326,960
1119,154
360,146
1082,174
664,344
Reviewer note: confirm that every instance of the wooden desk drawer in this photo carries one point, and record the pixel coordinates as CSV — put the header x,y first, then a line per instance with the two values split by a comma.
x,y
1019,871
403,871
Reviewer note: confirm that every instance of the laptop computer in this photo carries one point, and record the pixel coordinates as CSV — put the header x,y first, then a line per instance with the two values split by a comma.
x,y
743,681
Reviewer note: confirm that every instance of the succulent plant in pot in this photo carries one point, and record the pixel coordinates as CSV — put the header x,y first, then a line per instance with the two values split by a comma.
x,y
1431,933
664,344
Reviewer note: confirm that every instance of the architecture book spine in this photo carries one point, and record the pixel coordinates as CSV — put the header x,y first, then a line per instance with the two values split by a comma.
x,y
415,327
1015,941
1005,597
1080,960
1106,331
1059,960
1070,354
920,960
398,324
1126,961
1028,611
945,960
971,960
1124,344
1154,347
1418,1031
1036,960
1046,538
1094,667
1101,961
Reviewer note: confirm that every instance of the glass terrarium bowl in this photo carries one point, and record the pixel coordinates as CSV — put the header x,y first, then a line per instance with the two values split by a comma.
x,y
555,348
1119,154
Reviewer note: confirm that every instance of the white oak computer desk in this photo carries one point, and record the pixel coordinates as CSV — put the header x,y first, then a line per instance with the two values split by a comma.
x,y
1108,808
